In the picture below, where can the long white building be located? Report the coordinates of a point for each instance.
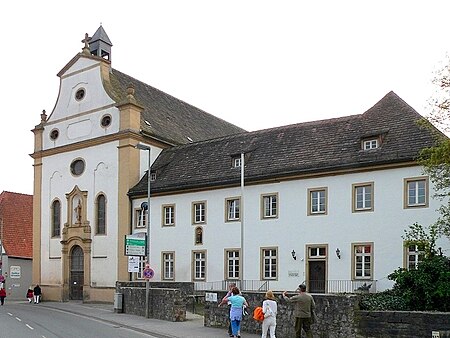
(324, 202)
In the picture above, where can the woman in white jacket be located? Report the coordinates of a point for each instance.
(269, 306)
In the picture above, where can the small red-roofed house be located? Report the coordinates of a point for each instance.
(16, 234)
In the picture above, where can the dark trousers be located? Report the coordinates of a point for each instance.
(304, 323)
(2, 299)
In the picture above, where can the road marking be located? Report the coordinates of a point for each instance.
(18, 319)
(30, 327)
(10, 314)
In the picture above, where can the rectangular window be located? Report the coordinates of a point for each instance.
(232, 209)
(413, 256)
(198, 212)
(199, 265)
(416, 192)
(168, 215)
(317, 201)
(140, 218)
(269, 260)
(236, 162)
(362, 260)
(232, 264)
(317, 252)
(370, 144)
(363, 197)
(269, 206)
(168, 264)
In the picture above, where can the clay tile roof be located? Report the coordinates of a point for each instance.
(16, 211)
(299, 149)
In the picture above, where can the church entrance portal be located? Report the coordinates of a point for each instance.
(76, 273)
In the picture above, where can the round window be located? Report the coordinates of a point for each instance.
(106, 121)
(77, 167)
(54, 134)
(80, 93)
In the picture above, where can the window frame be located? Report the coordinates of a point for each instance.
(55, 231)
(310, 191)
(137, 217)
(355, 255)
(406, 182)
(263, 205)
(355, 188)
(418, 255)
(204, 266)
(227, 214)
(194, 213)
(370, 141)
(171, 262)
(236, 161)
(236, 274)
(165, 208)
(272, 269)
(140, 275)
(97, 217)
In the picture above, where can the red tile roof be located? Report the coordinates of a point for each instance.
(16, 211)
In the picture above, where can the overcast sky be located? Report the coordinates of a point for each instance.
(257, 64)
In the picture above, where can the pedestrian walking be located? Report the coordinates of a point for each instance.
(270, 308)
(30, 295)
(237, 307)
(2, 295)
(303, 311)
(37, 294)
(230, 287)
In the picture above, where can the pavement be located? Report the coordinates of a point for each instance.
(191, 328)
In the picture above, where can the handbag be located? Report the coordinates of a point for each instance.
(258, 314)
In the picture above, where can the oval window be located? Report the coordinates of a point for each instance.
(106, 121)
(80, 93)
(54, 134)
(77, 167)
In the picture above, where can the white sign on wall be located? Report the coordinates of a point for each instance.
(294, 273)
(133, 263)
(211, 297)
(14, 271)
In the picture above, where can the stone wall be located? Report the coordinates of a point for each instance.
(402, 324)
(167, 301)
(338, 316)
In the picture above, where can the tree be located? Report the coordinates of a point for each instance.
(436, 160)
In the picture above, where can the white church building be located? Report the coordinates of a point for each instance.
(325, 202)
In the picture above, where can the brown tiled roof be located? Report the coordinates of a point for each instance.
(168, 118)
(304, 148)
(16, 211)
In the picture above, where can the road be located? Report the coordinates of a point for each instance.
(20, 320)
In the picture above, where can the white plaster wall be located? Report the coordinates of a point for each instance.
(293, 229)
(80, 120)
(100, 176)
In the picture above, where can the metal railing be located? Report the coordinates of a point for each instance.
(246, 285)
(342, 286)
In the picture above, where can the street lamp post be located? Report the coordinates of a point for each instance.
(147, 281)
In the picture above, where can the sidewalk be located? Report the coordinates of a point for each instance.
(191, 328)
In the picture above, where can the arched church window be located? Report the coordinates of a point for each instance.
(56, 218)
(101, 215)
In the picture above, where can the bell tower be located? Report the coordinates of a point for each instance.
(100, 45)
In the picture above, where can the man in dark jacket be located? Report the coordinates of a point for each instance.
(37, 294)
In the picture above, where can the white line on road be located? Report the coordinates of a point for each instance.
(30, 327)
(18, 319)
(10, 314)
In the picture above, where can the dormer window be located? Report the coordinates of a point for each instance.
(236, 162)
(152, 176)
(369, 144)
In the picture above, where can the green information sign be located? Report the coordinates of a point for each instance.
(136, 244)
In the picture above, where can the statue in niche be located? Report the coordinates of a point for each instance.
(77, 211)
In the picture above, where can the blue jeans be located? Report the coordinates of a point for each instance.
(235, 327)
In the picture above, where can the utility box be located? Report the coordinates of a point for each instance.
(118, 302)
